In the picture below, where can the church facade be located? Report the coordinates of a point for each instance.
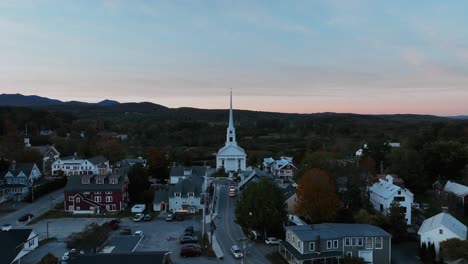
(231, 157)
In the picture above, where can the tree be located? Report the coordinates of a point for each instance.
(317, 200)
(431, 253)
(353, 260)
(158, 164)
(453, 249)
(408, 164)
(49, 259)
(262, 207)
(138, 183)
(397, 224)
(91, 238)
(446, 159)
(423, 252)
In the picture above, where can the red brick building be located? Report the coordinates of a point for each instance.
(96, 193)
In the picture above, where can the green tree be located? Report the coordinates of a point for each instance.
(409, 165)
(453, 249)
(317, 199)
(261, 206)
(92, 237)
(397, 224)
(446, 159)
(138, 183)
(423, 252)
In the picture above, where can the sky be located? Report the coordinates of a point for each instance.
(358, 56)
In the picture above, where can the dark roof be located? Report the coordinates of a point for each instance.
(45, 149)
(288, 191)
(161, 196)
(97, 160)
(120, 258)
(26, 168)
(74, 183)
(189, 184)
(333, 231)
(15, 237)
(298, 255)
(195, 171)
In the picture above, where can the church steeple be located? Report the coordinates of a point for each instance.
(231, 131)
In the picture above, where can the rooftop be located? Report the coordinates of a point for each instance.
(334, 230)
(446, 220)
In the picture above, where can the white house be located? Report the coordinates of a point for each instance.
(74, 165)
(384, 192)
(231, 157)
(283, 168)
(440, 228)
(179, 173)
(187, 194)
(16, 243)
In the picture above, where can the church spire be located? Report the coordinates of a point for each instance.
(231, 131)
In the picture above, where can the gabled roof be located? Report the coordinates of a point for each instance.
(45, 149)
(96, 160)
(26, 168)
(255, 174)
(386, 189)
(446, 220)
(288, 192)
(120, 258)
(190, 184)
(11, 243)
(74, 183)
(456, 188)
(335, 231)
(283, 162)
(231, 150)
(268, 161)
(199, 171)
(161, 196)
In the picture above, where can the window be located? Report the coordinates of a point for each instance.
(86, 193)
(360, 241)
(100, 181)
(77, 208)
(70, 198)
(299, 244)
(177, 194)
(347, 241)
(70, 208)
(97, 199)
(108, 192)
(294, 239)
(85, 181)
(378, 242)
(97, 192)
(108, 199)
(78, 199)
(288, 236)
(31, 243)
(190, 194)
(113, 207)
(335, 243)
(441, 231)
(312, 246)
(349, 254)
(353, 241)
(329, 244)
(369, 243)
(399, 192)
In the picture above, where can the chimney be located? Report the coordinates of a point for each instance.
(389, 178)
(13, 165)
(444, 209)
(6, 227)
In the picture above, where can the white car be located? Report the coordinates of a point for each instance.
(138, 217)
(138, 233)
(236, 252)
(272, 241)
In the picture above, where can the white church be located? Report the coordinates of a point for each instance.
(231, 157)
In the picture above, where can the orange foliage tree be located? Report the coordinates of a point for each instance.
(317, 200)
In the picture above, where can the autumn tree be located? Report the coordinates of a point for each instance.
(49, 258)
(317, 200)
(158, 164)
(138, 183)
(453, 249)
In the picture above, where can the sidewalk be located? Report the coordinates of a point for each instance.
(215, 246)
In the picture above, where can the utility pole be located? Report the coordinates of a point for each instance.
(48, 230)
(204, 203)
(32, 190)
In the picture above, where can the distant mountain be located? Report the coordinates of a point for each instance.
(26, 100)
(107, 102)
(459, 117)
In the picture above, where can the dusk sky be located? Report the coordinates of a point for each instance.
(286, 56)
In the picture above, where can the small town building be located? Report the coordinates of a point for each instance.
(384, 192)
(74, 165)
(282, 168)
(17, 180)
(49, 155)
(179, 173)
(456, 192)
(290, 196)
(186, 195)
(16, 243)
(254, 175)
(331, 242)
(441, 227)
(231, 157)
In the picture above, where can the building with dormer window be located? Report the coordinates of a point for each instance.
(16, 181)
(187, 192)
(95, 193)
(331, 242)
(74, 165)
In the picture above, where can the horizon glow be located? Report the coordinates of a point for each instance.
(363, 56)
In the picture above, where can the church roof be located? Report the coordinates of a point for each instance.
(231, 150)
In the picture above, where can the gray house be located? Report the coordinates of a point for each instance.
(330, 243)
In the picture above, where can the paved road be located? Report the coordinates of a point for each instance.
(37, 208)
(230, 233)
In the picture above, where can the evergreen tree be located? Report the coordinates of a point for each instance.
(423, 251)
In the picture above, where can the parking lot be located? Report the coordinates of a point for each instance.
(160, 235)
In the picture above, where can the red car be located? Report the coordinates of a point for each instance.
(190, 251)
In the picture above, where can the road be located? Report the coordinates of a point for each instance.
(228, 232)
(37, 208)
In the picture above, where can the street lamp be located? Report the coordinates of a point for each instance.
(47, 229)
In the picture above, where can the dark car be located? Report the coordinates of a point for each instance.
(113, 224)
(25, 217)
(190, 250)
(188, 239)
(147, 217)
(189, 231)
(179, 217)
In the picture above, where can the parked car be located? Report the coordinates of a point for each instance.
(190, 250)
(138, 233)
(232, 194)
(113, 224)
(236, 252)
(25, 217)
(126, 232)
(189, 231)
(179, 217)
(188, 240)
(170, 218)
(147, 217)
(272, 241)
(138, 218)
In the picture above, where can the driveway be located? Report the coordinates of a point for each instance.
(405, 252)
